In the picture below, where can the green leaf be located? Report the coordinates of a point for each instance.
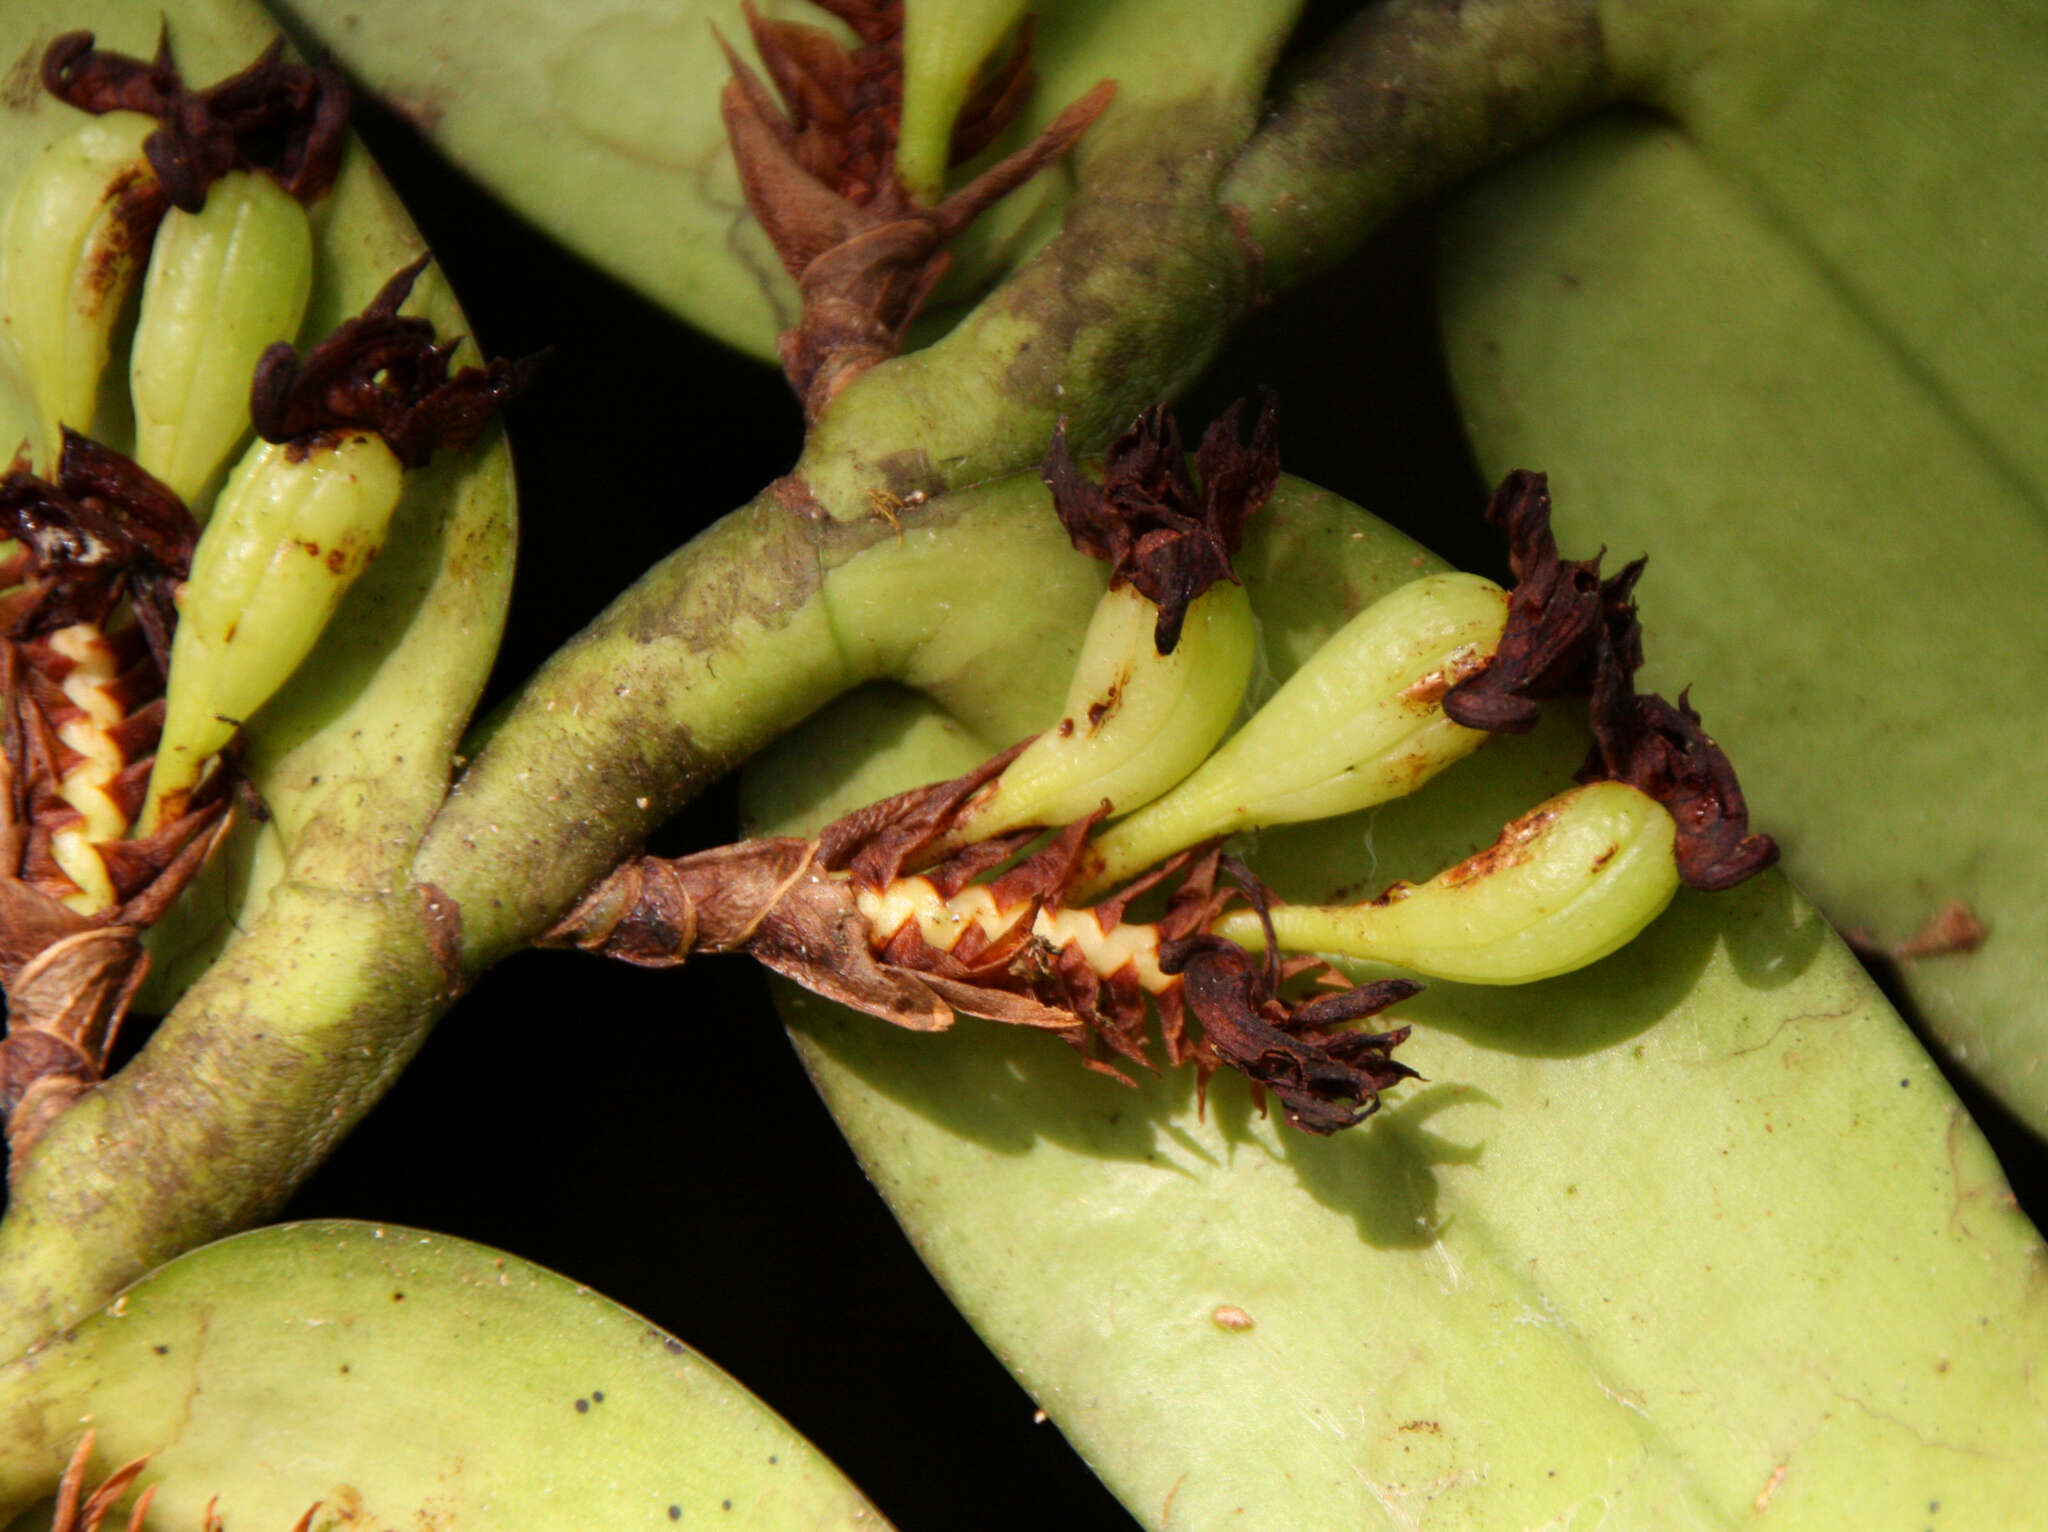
(1692, 1234)
(1789, 344)
(401, 1379)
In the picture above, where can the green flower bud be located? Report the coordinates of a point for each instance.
(1359, 723)
(1136, 721)
(291, 532)
(945, 45)
(1565, 885)
(224, 284)
(75, 235)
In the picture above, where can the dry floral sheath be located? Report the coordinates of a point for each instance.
(84, 631)
(819, 171)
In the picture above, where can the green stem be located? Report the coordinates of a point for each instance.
(1407, 98)
(259, 1072)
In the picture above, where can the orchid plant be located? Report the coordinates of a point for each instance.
(1332, 1024)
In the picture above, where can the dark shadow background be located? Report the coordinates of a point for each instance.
(686, 1168)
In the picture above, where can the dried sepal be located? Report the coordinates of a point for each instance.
(289, 121)
(808, 910)
(384, 372)
(817, 162)
(1566, 624)
(1571, 632)
(1158, 528)
(1660, 748)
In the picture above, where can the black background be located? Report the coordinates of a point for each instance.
(681, 1163)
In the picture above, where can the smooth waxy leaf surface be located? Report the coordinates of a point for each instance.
(1691, 1236)
(1789, 344)
(405, 1379)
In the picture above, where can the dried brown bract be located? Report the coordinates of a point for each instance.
(1168, 533)
(1571, 632)
(1565, 623)
(382, 371)
(838, 916)
(104, 544)
(818, 166)
(289, 121)
(78, 1512)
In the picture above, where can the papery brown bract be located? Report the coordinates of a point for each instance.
(104, 541)
(818, 168)
(289, 121)
(1159, 531)
(385, 372)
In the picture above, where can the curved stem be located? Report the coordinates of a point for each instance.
(1407, 98)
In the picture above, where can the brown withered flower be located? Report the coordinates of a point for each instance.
(1564, 621)
(839, 916)
(289, 121)
(382, 371)
(1659, 748)
(85, 622)
(1570, 632)
(1157, 528)
(818, 167)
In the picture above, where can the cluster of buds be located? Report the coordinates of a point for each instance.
(1005, 893)
(820, 173)
(143, 616)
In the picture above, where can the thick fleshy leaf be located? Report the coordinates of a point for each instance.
(1691, 1236)
(599, 120)
(1790, 345)
(401, 1379)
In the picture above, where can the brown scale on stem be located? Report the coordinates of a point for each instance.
(288, 121)
(817, 162)
(1570, 632)
(98, 554)
(1157, 529)
(385, 372)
